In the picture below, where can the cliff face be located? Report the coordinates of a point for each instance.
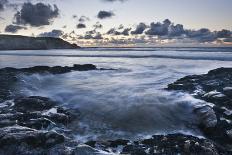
(15, 42)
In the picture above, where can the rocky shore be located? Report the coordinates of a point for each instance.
(215, 87)
(35, 125)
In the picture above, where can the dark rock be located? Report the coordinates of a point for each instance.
(118, 142)
(164, 144)
(91, 143)
(17, 135)
(84, 67)
(207, 116)
(33, 103)
(214, 87)
(28, 124)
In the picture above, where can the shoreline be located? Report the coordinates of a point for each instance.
(23, 120)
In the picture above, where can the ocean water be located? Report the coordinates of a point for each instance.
(129, 102)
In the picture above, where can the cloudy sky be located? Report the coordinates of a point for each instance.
(121, 22)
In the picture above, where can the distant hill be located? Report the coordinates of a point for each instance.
(17, 42)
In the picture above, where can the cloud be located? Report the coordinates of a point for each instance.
(168, 30)
(2, 4)
(159, 29)
(13, 28)
(105, 14)
(81, 26)
(53, 34)
(114, 0)
(83, 19)
(224, 34)
(113, 31)
(91, 35)
(176, 30)
(126, 31)
(36, 14)
(74, 16)
(98, 26)
(139, 29)
(201, 35)
(120, 27)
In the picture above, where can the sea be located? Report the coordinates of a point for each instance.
(129, 100)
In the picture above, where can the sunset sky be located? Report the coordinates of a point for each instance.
(121, 22)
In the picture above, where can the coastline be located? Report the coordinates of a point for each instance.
(23, 120)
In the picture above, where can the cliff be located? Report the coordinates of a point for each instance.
(16, 42)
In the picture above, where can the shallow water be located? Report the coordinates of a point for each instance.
(129, 102)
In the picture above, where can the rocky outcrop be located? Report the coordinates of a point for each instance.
(28, 125)
(15, 42)
(161, 144)
(214, 87)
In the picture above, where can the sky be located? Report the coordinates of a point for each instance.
(121, 22)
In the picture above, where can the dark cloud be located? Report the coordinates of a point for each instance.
(98, 26)
(126, 31)
(224, 34)
(91, 35)
(81, 26)
(53, 34)
(83, 19)
(176, 30)
(114, 0)
(13, 28)
(167, 30)
(139, 29)
(36, 14)
(120, 27)
(202, 35)
(113, 31)
(74, 16)
(105, 14)
(2, 4)
(159, 29)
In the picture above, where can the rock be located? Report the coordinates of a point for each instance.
(229, 133)
(214, 87)
(119, 142)
(206, 116)
(28, 124)
(87, 150)
(17, 135)
(33, 103)
(84, 67)
(163, 144)
(227, 91)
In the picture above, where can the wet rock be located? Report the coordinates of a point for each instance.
(17, 135)
(214, 87)
(28, 124)
(118, 142)
(8, 76)
(206, 116)
(229, 133)
(33, 103)
(227, 91)
(164, 144)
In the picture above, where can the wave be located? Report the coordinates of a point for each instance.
(218, 58)
(177, 49)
